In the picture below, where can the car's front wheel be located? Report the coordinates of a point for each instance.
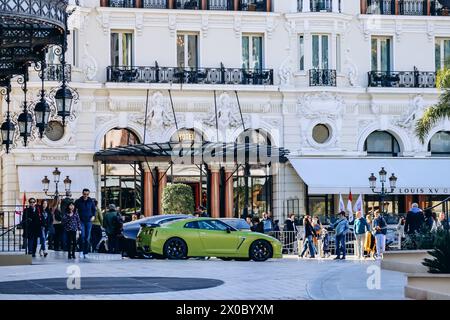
(260, 250)
(175, 249)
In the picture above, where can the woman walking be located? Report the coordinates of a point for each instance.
(318, 236)
(46, 228)
(308, 240)
(380, 227)
(72, 225)
(58, 227)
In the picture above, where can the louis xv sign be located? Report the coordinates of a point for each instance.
(424, 190)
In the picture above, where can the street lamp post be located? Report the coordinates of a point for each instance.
(384, 191)
(56, 178)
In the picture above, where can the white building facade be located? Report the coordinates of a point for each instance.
(340, 84)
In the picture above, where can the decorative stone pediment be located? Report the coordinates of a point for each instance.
(323, 104)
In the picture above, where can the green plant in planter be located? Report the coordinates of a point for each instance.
(441, 254)
(422, 240)
(177, 198)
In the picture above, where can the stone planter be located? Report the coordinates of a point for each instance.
(406, 261)
(428, 286)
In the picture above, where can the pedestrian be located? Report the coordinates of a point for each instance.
(360, 227)
(58, 237)
(72, 225)
(326, 243)
(308, 238)
(291, 233)
(257, 226)
(47, 226)
(96, 232)
(267, 223)
(112, 223)
(369, 245)
(436, 223)
(86, 209)
(341, 226)
(248, 219)
(317, 225)
(428, 219)
(32, 224)
(414, 219)
(443, 221)
(380, 229)
(401, 228)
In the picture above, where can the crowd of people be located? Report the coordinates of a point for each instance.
(70, 226)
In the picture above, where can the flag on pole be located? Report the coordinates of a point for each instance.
(24, 201)
(341, 203)
(349, 207)
(359, 205)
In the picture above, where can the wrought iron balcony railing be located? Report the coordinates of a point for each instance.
(402, 79)
(240, 5)
(221, 75)
(122, 3)
(405, 7)
(322, 77)
(53, 72)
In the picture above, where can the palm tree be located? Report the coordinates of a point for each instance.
(440, 110)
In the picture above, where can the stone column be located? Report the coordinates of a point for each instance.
(162, 179)
(306, 6)
(215, 195)
(363, 6)
(229, 198)
(148, 193)
(236, 5)
(335, 5)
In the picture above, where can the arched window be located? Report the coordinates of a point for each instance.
(254, 136)
(119, 137)
(439, 145)
(119, 183)
(382, 144)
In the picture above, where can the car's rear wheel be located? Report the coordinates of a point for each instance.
(175, 249)
(260, 250)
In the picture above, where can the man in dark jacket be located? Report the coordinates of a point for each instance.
(113, 225)
(86, 209)
(291, 230)
(414, 219)
(32, 224)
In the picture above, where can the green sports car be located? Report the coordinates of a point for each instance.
(205, 237)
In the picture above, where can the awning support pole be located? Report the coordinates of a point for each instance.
(217, 122)
(240, 110)
(173, 110)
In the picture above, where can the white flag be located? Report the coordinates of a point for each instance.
(359, 205)
(341, 203)
(349, 207)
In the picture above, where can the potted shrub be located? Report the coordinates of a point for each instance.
(440, 253)
(177, 198)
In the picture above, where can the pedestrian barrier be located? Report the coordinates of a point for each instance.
(292, 242)
(11, 232)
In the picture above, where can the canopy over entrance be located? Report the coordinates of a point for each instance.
(194, 153)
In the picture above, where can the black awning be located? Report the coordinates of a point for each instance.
(194, 153)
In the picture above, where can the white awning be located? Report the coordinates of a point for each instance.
(30, 179)
(338, 175)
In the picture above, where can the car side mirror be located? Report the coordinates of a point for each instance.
(228, 230)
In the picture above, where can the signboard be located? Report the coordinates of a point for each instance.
(423, 190)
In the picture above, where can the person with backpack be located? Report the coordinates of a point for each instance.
(380, 229)
(341, 226)
(112, 222)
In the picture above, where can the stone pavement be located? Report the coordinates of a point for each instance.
(287, 278)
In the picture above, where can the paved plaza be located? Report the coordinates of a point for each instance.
(287, 278)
